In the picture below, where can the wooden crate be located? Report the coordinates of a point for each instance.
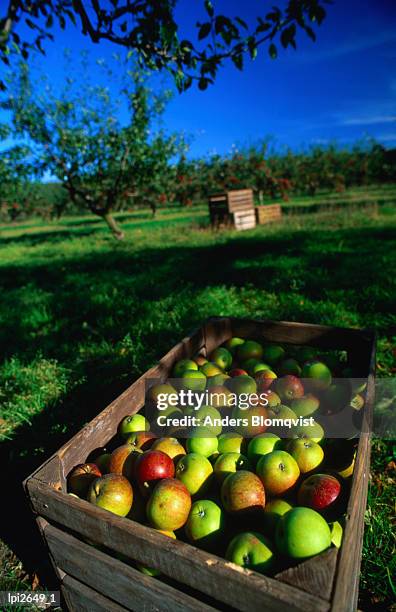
(96, 579)
(232, 208)
(268, 213)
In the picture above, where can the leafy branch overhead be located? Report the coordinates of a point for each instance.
(149, 29)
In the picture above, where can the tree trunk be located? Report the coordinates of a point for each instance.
(113, 225)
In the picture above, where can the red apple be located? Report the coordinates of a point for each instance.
(111, 492)
(321, 492)
(264, 379)
(169, 505)
(81, 477)
(242, 492)
(123, 460)
(289, 387)
(153, 466)
(237, 372)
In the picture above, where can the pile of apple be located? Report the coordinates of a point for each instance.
(261, 500)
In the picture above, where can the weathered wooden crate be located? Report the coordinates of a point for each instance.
(268, 213)
(95, 579)
(232, 208)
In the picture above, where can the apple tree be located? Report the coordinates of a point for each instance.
(150, 29)
(78, 137)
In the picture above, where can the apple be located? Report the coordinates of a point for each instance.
(249, 364)
(315, 431)
(242, 384)
(264, 379)
(217, 381)
(200, 360)
(81, 477)
(321, 492)
(262, 445)
(182, 365)
(233, 343)
(255, 416)
(219, 396)
(318, 373)
(207, 416)
(231, 442)
(222, 357)
(237, 372)
(160, 389)
(252, 551)
(336, 397)
(210, 369)
(195, 472)
(141, 439)
(151, 466)
(357, 402)
(306, 353)
(280, 414)
(278, 471)
(273, 510)
(102, 461)
(151, 571)
(273, 354)
(289, 387)
(193, 380)
(289, 366)
(169, 446)
(260, 367)
(306, 405)
(228, 463)
(347, 471)
(112, 492)
(302, 533)
(205, 524)
(123, 460)
(308, 454)
(202, 446)
(131, 423)
(242, 492)
(336, 532)
(248, 350)
(273, 398)
(169, 505)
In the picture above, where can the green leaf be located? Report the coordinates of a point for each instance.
(209, 8)
(203, 83)
(273, 51)
(238, 61)
(204, 30)
(241, 22)
(252, 47)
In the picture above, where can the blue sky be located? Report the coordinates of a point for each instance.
(341, 88)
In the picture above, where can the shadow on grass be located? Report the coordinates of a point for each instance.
(80, 310)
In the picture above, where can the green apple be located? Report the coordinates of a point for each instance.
(255, 418)
(318, 373)
(278, 415)
(182, 365)
(169, 505)
(231, 442)
(261, 445)
(208, 416)
(242, 384)
(278, 471)
(205, 524)
(249, 349)
(260, 367)
(193, 380)
(273, 510)
(228, 463)
(219, 396)
(252, 551)
(289, 366)
(161, 389)
(273, 354)
(195, 472)
(302, 533)
(233, 343)
(306, 353)
(222, 358)
(131, 423)
(305, 406)
(249, 364)
(315, 431)
(217, 381)
(308, 454)
(112, 492)
(202, 446)
(272, 398)
(169, 446)
(336, 533)
(210, 369)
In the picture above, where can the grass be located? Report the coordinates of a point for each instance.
(81, 316)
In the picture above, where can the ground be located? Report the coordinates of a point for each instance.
(81, 316)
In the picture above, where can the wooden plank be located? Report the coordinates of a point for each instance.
(111, 577)
(239, 588)
(80, 598)
(315, 575)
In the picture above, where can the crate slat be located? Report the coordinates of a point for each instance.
(81, 598)
(129, 587)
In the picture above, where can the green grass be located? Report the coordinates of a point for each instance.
(81, 316)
